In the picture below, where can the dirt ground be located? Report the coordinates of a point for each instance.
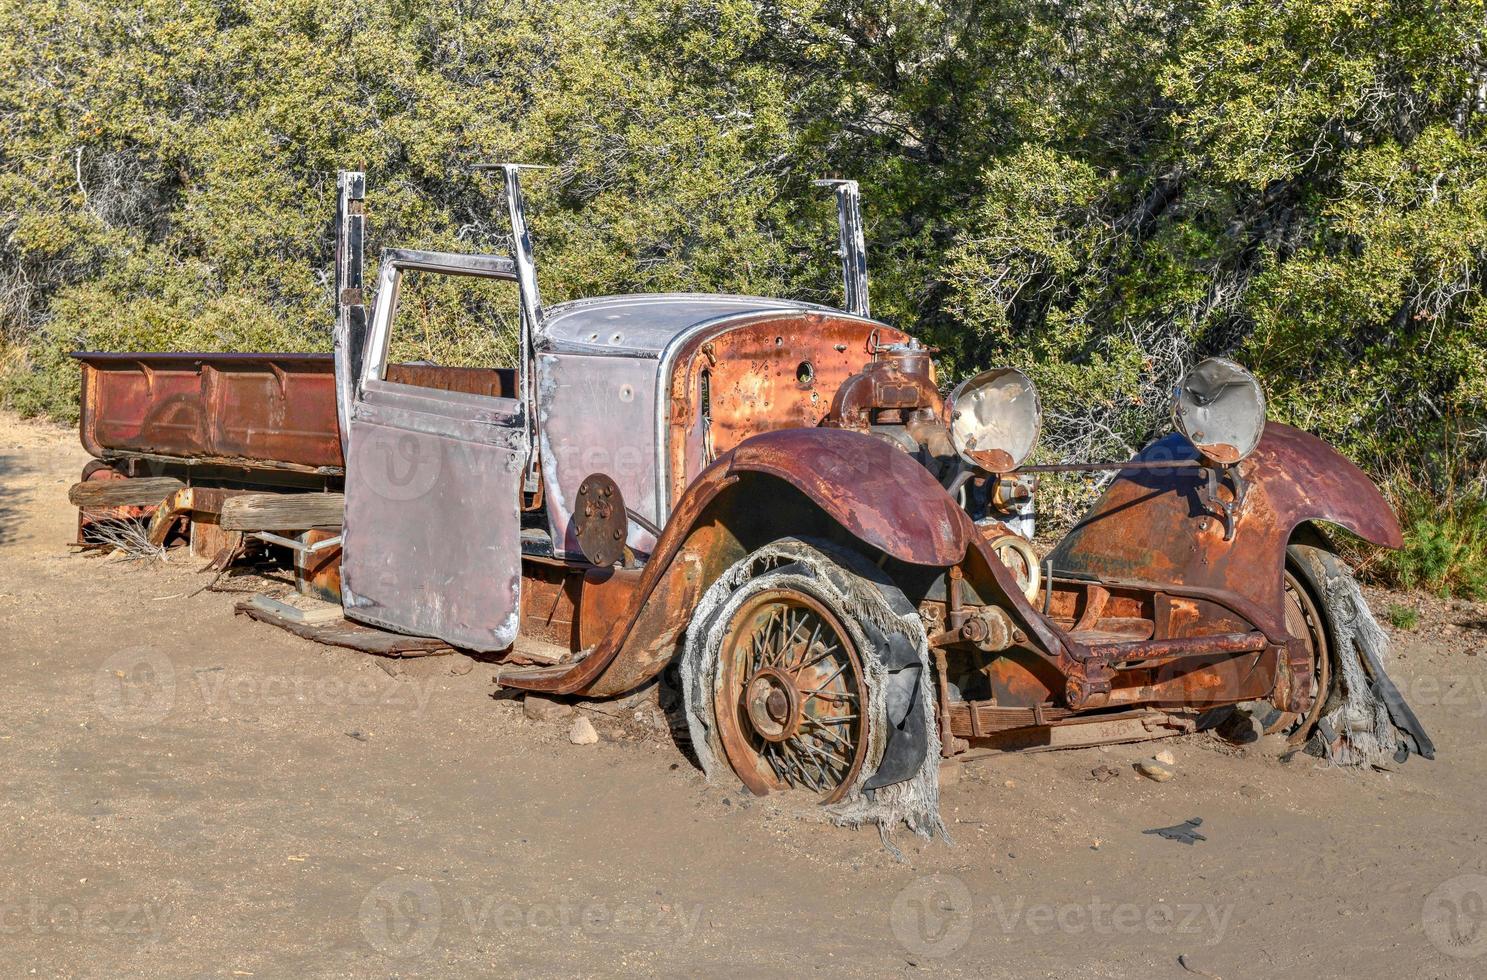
(188, 793)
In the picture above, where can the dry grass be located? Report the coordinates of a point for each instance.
(128, 539)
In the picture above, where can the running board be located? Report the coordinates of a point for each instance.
(1015, 729)
(325, 624)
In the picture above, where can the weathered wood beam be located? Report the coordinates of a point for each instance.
(282, 511)
(142, 491)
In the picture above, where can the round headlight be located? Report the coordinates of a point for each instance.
(994, 419)
(1220, 409)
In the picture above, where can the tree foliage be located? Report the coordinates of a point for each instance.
(1099, 191)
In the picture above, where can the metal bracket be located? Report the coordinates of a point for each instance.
(1213, 501)
(299, 546)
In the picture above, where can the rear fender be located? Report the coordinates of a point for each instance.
(1150, 526)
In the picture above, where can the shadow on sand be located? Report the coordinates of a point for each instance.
(12, 467)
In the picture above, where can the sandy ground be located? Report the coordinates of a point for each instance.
(186, 792)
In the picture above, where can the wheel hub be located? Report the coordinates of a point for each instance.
(772, 704)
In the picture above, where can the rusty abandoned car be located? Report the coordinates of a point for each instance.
(776, 503)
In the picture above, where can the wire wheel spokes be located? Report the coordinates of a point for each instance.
(791, 696)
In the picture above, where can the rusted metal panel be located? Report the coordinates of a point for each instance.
(1151, 526)
(242, 408)
(491, 382)
(273, 411)
(656, 610)
(604, 601)
(549, 603)
(874, 490)
(737, 379)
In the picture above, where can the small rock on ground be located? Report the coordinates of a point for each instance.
(1152, 769)
(582, 732)
(538, 708)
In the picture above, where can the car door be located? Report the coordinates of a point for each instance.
(434, 476)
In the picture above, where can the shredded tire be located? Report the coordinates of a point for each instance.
(871, 605)
(1365, 721)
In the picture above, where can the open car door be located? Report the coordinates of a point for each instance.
(434, 477)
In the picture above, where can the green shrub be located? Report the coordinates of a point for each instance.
(1445, 546)
(1403, 617)
(1098, 192)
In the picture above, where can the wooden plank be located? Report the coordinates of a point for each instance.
(539, 651)
(321, 613)
(140, 491)
(283, 511)
(353, 636)
(208, 540)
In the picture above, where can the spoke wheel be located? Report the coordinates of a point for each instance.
(790, 700)
(1304, 620)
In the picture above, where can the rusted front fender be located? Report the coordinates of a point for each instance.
(869, 488)
(873, 489)
(1151, 527)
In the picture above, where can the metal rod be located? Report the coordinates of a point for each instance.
(1147, 653)
(643, 523)
(350, 336)
(955, 614)
(960, 480)
(1144, 464)
(300, 546)
(942, 684)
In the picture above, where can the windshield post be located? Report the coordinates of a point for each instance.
(853, 248)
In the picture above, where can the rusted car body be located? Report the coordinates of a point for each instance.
(664, 477)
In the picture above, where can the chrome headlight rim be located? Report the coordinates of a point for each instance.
(994, 419)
